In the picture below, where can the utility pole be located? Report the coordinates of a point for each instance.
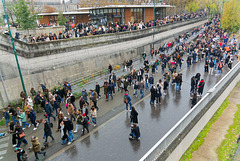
(14, 50)
(153, 23)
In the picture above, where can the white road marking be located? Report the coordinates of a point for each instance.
(4, 139)
(4, 145)
(1, 158)
(3, 152)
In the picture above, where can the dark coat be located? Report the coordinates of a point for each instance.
(97, 88)
(134, 116)
(84, 94)
(32, 115)
(48, 109)
(47, 129)
(153, 94)
(151, 80)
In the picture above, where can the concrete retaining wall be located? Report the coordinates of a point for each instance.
(53, 69)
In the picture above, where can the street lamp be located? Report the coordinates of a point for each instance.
(14, 50)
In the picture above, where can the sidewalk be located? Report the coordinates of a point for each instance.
(215, 136)
(107, 111)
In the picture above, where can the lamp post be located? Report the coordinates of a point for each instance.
(14, 50)
(153, 23)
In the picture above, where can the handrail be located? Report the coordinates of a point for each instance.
(191, 112)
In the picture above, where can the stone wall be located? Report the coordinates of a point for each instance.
(53, 69)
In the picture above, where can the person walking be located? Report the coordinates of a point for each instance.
(13, 113)
(23, 119)
(60, 117)
(20, 136)
(151, 81)
(136, 87)
(79, 121)
(109, 92)
(158, 93)
(127, 100)
(36, 147)
(68, 125)
(201, 87)
(47, 131)
(97, 89)
(85, 124)
(153, 95)
(165, 86)
(93, 113)
(141, 88)
(6, 117)
(211, 65)
(85, 96)
(32, 116)
(134, 116)
(49, 111)
(71, 111)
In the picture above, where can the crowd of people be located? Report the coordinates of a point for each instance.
(213, 46)
(87, 29)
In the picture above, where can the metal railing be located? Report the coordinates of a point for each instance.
(155, 152)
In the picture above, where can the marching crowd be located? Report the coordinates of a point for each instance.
(208, 47)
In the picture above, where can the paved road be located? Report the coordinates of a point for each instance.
(110, 141)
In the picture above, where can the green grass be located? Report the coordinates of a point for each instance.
(200, 138)
(229, 145)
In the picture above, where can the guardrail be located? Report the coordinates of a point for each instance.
(155, 152)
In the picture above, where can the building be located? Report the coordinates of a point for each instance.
(127, 13)
(112, 13)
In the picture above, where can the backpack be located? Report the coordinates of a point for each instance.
(51, 125)
(71, 125)
(125, 99)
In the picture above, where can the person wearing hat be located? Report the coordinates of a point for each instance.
(36, 147)
(85, 124)
(21, 155)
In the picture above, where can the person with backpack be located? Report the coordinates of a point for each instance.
(85, 124)
(47, 131)
(68, 125)
(36, 147)
(158, 94)
(127, 100)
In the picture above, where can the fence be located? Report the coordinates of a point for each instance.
(155, 152)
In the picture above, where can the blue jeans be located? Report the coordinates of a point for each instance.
(141, 93)
(151, 101)
(165, 91)
(94, 120)
(77, 125)
(62, 100)
(20, 141)
(130, 103)
(133, 134)
(108, 95)
(136, 92)
(51, 115)
(151, 86)
(24, 124)
(146, 85)
(70, 136)
(177, 86)
(14, 120)
(7, 121)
